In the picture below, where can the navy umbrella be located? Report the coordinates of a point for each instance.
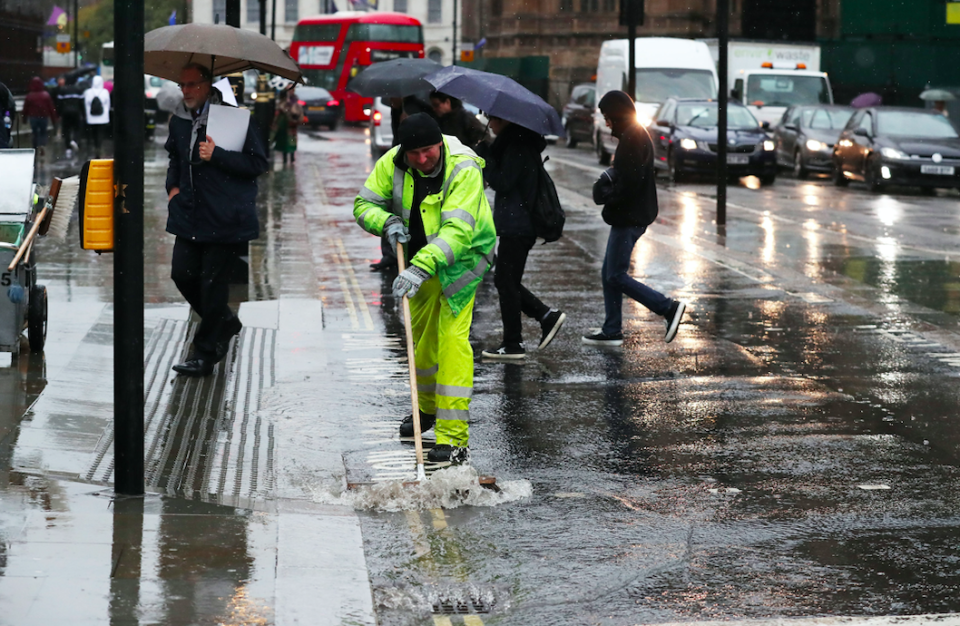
(498, 96)
(395, 78)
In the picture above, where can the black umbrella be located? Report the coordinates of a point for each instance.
(393, 79)
(498, 96)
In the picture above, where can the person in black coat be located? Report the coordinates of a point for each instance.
(628, 193)
(512, 166)
(212, 196)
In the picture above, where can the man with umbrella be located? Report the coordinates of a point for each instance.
(427, 192)
(212, 197)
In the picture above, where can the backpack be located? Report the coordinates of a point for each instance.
(96, 106)
(546, 212)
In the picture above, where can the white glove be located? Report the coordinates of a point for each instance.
(408, 282)
(395, 231)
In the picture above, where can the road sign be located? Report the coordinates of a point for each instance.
(466, 56)
(63, 44)
(953, 11)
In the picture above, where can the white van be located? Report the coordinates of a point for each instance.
(666, 67)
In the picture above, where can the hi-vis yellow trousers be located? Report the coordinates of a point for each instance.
(444, 361)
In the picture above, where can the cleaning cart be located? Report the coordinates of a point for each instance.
(23, 303)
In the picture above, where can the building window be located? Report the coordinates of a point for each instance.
(434, 11)
(566, 6)
(291, 11)
(588, 6)
(400, 6)
(435, 55)
(610, 6)
(253, 11)
(220, 11)
(496, 7)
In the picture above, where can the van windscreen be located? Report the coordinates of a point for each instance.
(656, 85)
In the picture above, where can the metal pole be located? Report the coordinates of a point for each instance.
(128, 135)
(263, 16)
(273, 21)
(723, 14)
(631, 48)
(233, 13)
(454, 32)
(76, 39)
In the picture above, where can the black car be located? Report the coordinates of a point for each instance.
(806, 135)
(684, 137)
(319, 107)
(577, 114)
(898, 146)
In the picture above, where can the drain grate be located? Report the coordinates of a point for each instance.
(471, 606)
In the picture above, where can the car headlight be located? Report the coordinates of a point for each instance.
(815, 146)
(688, 144)
(769, 146)
(892, 153)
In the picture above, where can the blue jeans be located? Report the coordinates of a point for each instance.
(38, 128)
(617, 281)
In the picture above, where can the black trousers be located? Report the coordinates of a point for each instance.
(202, 272)
(514, 297)
(96, 137)
(70, 129)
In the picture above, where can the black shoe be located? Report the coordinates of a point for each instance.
(383, 265)
(673, 319)
(445, 453)
(551, 325)
(506, 352)
(426, 423)
(599, 338)
(194, 366)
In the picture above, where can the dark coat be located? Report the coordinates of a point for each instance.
(463, 125)
(219, 204)
(38, 102)
(512, 166)
(629, 196)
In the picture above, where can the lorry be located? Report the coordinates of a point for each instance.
(768, 77)
(665, 67)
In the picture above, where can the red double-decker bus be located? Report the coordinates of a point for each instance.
(332, 49)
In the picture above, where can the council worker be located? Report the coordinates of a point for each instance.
(212, 196)
(427, 192)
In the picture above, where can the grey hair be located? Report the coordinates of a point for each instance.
(203, 69)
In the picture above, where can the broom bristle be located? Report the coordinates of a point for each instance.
(63, 208)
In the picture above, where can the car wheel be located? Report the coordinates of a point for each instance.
(769, 179)
(799, 170)
(673, 173)
(602, 155)
(570, 142)
(838, 178)
(872, 175)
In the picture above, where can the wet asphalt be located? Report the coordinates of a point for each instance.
(791, 454)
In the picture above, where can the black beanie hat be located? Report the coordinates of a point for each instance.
(617, 104)
(418, 131)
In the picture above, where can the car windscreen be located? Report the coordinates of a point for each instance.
(920, 125)
(327, 79)
(313, 93)
(784, 90)
(704, 115)
(656, 85)
(826, 119)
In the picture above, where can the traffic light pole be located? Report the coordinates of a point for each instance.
(723, 28)
(128, 135)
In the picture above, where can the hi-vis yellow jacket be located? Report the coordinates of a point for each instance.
(457, 221)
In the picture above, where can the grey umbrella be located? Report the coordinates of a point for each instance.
(498, 96)
(223, 49)
(395, 78)
(937, 94)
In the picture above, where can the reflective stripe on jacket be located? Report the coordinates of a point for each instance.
(457, 222)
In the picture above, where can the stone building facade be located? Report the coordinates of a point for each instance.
(570, 32)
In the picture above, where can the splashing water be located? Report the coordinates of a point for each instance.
(447, 488)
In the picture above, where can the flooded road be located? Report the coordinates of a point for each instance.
(791, 454)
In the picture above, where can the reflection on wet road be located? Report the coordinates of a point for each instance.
(792, 453)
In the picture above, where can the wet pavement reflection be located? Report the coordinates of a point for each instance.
(791, 454)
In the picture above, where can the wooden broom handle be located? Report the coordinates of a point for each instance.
(411, 361)
(51, 200)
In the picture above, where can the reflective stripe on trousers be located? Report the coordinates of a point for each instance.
(444, 361)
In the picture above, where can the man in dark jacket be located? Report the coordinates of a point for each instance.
(212, 197)
(512, 166)
(8, 109)
(70, 106)
(629, 194)
(456, 120)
